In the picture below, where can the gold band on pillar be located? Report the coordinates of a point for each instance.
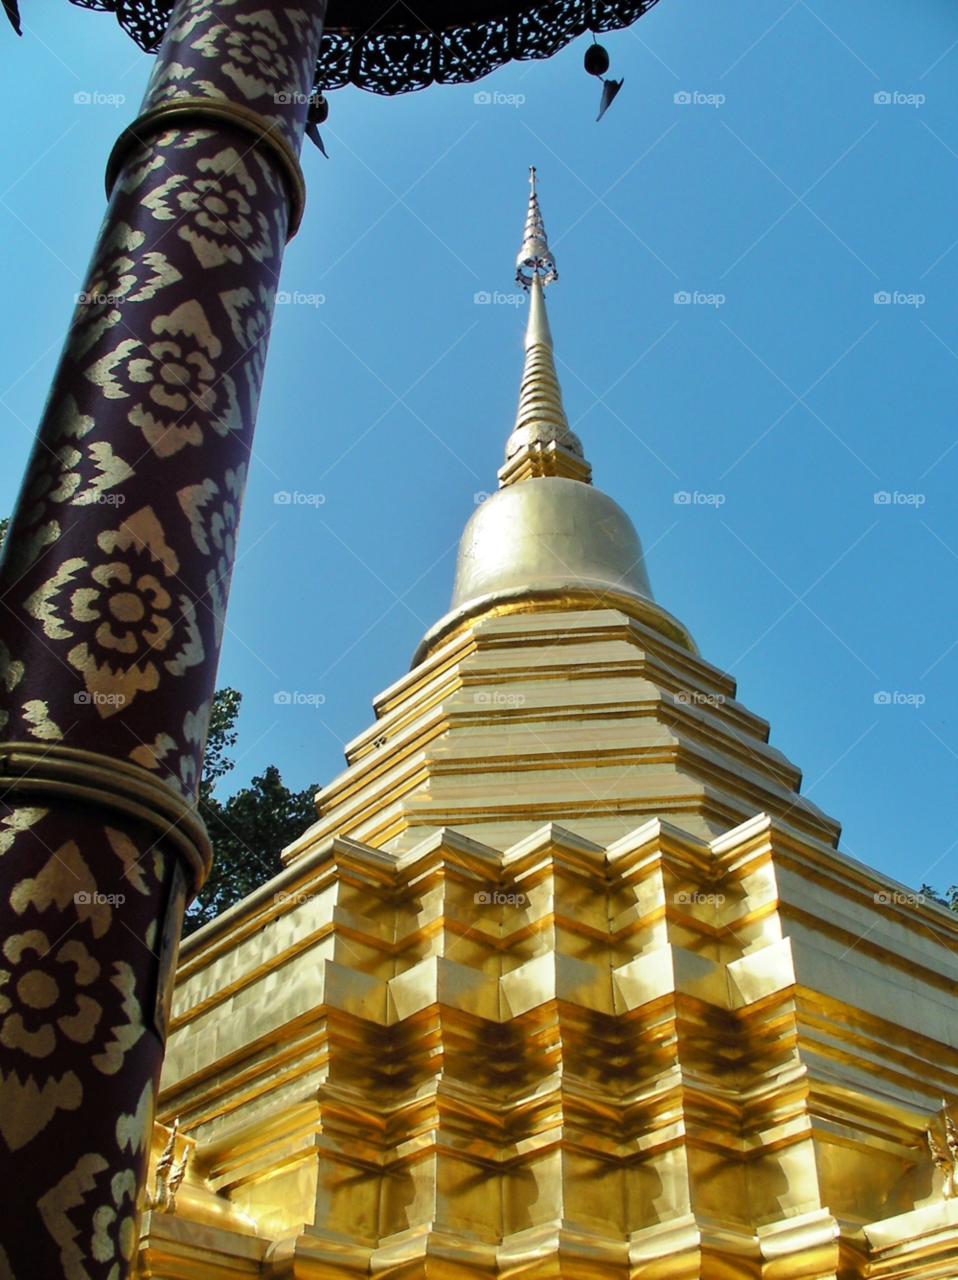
(69, 773)
(196, 112)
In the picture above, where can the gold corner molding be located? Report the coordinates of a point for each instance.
(69, 773)
(546, 598)
(196, 112)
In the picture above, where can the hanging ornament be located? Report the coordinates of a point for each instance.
(318, 111)
(609, 89)
(12, 11)
(596, 62)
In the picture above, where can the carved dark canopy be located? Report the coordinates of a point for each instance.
(387, 47)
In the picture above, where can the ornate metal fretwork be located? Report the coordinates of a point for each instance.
(390, 48)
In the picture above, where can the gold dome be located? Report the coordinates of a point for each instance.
(556, 543)
(545, 534)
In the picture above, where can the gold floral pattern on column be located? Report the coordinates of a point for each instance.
(110, 1216)
(21, 819)
(186, 394)
(213, 527)
(63, 985)
(118, 278)
(41, 987)
(130, 599)
(213, 213)
(250, 316)
(26, 1108)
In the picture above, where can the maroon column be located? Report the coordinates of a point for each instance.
(113, 590)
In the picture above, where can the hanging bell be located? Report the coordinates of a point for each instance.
(596, 60)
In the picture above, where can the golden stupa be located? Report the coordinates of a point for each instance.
(567, 979)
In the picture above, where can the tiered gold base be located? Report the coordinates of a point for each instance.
(669, 1057)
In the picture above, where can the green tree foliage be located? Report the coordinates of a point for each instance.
(949, 899)
(220, 737)
(249, 829)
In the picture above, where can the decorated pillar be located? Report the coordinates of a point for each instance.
(113, 588)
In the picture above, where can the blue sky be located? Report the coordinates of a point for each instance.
(798, 398)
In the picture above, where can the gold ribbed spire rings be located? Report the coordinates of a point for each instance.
(542, 442)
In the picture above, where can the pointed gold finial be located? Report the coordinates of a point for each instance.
(542, 442)
(535, 261)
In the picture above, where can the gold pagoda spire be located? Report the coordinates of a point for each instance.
(542, 443)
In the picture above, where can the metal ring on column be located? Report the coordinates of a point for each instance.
(68, 772)
(196, 111)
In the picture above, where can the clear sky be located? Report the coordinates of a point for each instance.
(798, 398)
